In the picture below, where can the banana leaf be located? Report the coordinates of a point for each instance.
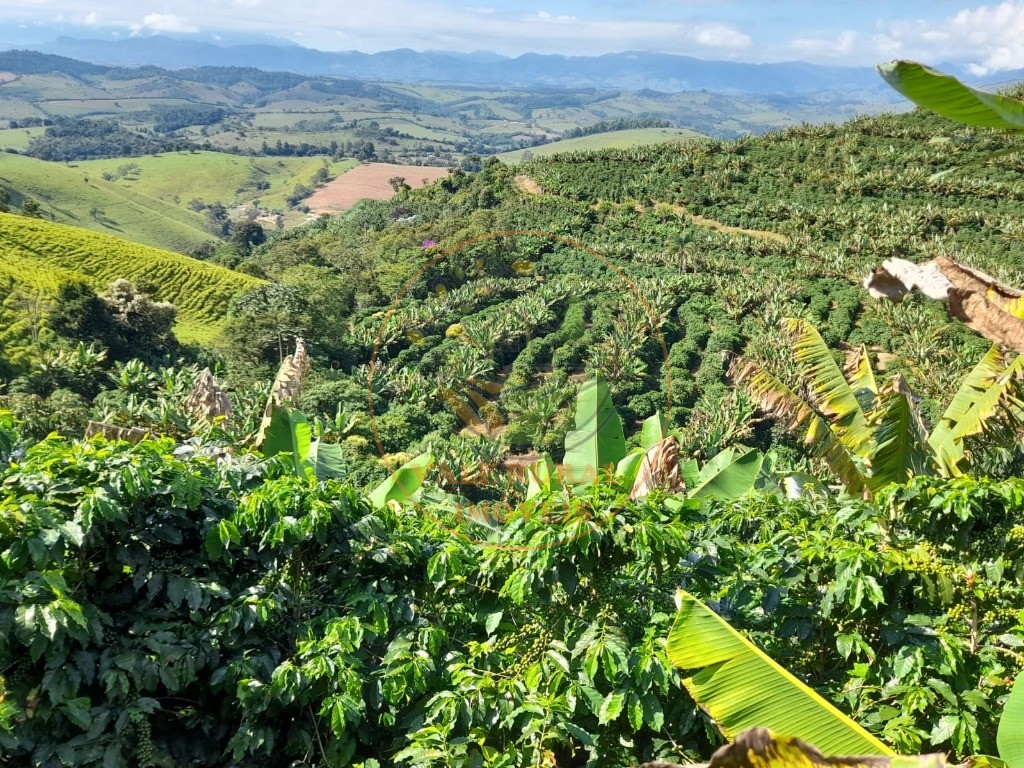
(901, 448)
(653, 431)
(598, 440)
(784, 404)
(728, 475)
(326, 459)
(288, 431)
(403, 483)
(947, 448)
(947, 96)
(541, 476)
(831, 394)
(741, 687)
(1010, 737)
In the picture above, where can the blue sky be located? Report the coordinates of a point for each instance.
(988, 37)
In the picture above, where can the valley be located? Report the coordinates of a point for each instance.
(355, 422)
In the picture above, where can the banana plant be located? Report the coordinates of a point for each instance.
(871, 435)
(598, 441)
(404, 482)
(947, 96)
(289, 432)
(741, 687)
(744, 690)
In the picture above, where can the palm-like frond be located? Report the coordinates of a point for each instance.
(783, 404)
(901, 442)
(962, 410)
(831, 394)
(862, 379)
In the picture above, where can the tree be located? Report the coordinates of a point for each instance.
(31, 208)
(5, 201)
(246, 235)
(79, 313)
(143, 326)
(263, 322)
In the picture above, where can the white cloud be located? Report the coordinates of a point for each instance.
(836, 47)
(721, 36)
(163, 22)
(91, 19)
(245, 3)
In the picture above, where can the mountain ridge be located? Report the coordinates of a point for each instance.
(632, 70)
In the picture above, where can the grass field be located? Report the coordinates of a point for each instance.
(178, 177)
(611, 140)
(18, 138)
(42, 254)
(150, 205)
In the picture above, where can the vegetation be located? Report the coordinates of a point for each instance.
(40, 256)
(514, 412)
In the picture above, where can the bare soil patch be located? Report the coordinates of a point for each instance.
(528, 185)
(369, 181)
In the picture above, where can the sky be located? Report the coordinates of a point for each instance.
(986, 37)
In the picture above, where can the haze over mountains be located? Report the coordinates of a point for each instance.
(632, 70)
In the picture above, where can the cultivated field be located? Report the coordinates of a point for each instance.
(41, 254)
(612, 140)
(150, 202)
(370, 180)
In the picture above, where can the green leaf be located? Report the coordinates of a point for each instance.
(728, 476)
(598, 440)
(403, 483)
(611, 708)
(901, 450)
(830, 393)
(1010, 737)
(289, 432)
(327, 459)
(947, 96)
(742, 688)
(653, 431)
(492, 622)
(579, 734)
(627, 468)
(541, 476)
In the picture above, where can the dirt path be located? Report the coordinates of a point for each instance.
(531, 187)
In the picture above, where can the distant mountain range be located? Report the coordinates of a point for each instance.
(632, 70)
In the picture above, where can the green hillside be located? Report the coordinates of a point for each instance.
(611, 140)
(42, 254)
(150, 204)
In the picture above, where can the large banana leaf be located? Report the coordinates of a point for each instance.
(862, 379)
(404, 481)
(1010, 737)
(830, 392)
(950, 98)
(947, 449)
(288, 431)
(653, 431)
(901, 448)
(741, 687)
(728, 475)
(541, 476)
(782, 403)
(598, 440)
(326, 459)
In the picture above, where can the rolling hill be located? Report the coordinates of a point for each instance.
(42, 255)
(612, 140)
(150, 204)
